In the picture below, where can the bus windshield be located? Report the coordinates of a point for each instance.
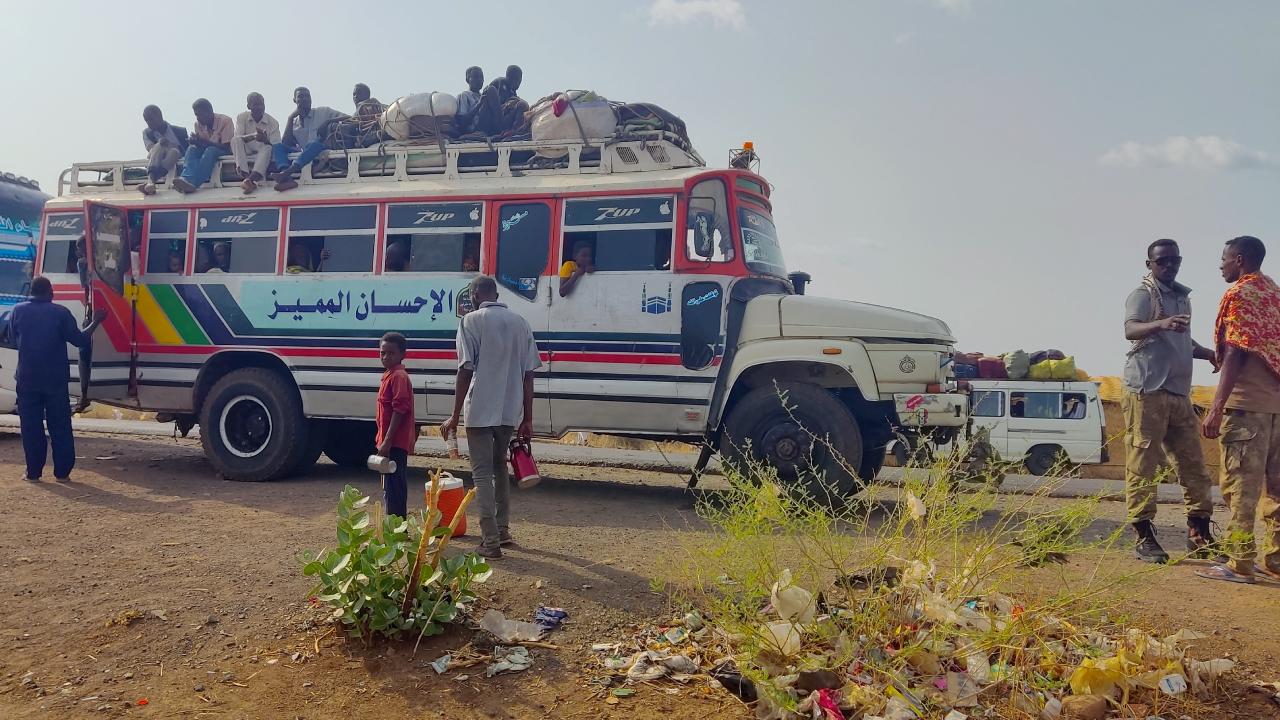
(760, 246)
(15, 278)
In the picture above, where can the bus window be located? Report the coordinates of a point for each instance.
(167, 241)
(331, 238)
(60, 235)
(707, 237)
(625, 233)
(524, 230)
(760, 243)
(237, 240)
(434, 237)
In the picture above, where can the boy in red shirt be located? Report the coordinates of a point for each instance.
(396, 429)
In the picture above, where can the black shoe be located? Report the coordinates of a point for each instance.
(1148, 548)
(507, 541)
(1200, 541)
(490, 553)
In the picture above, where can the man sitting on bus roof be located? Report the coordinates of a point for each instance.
(210, 140)
(501, 109)
(468, 101)
(572, 270)
(305, 131)
(256, 132)
(165, 145)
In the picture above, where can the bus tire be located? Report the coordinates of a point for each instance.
(1043, 459)
(317, 435)
(817, 440)
(251, 425)
(351, 442)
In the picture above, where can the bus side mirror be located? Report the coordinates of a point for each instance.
(799, 280)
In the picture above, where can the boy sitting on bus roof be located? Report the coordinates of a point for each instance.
(210, 140)
(165, 145)
(572, 270)
(305, 131)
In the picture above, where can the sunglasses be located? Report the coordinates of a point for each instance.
(1172, 260)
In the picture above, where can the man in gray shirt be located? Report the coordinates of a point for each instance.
(1159, 418)
(496, 359)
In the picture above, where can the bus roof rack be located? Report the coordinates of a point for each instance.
(405, 161)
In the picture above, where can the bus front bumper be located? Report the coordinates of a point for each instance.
(931, 409)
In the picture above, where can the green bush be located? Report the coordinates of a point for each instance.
(364, 578)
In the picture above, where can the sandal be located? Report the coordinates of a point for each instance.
(1270, 574)
(1222, 572)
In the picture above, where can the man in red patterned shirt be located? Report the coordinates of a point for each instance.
(1246, 412)
(396, 429)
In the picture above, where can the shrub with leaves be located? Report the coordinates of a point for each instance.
(366, 578)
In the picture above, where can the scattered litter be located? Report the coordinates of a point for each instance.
(932, 657)
(510, 631)
(509, 659)
(1270, 689)
(1173, 685)
(462, 678)
(537, 585)
(549, 618)
(676, 635)
(622, 692)
(143, 701)
(441, 664)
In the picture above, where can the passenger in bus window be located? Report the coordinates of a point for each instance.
(305, 131)
(468, 101)
(470, 262)
(256, 132)
(210, 139)
(397, 257)
(204, 260)
(300, 258)
(175, 261)
(571, 271)
(164, 143)
(221, 258)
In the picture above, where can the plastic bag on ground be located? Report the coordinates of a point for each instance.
(792, 602)
(510, 631)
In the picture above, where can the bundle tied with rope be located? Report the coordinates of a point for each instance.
(572, 115)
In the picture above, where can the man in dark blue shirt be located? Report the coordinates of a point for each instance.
(41, 331)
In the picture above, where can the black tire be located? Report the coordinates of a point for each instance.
(1043, 459)
(251, 425)
(317, 436)
(872, 463)
(350, 442)
(786, 440)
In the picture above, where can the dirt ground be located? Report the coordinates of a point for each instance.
(224, 629)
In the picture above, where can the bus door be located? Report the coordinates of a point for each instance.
(114, 289)
(521, 249)
(615, 331)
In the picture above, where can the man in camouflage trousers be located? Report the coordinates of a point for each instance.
(1159, 418)
(1246, 413)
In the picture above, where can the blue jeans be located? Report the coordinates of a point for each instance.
(35, 407)
(280, 154)
(197, 166)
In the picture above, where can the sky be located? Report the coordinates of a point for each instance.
(1000, 164)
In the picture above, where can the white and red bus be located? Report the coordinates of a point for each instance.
(257, 317)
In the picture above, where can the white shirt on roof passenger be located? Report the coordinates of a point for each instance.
(306, 128)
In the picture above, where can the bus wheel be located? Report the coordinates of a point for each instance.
(251, 425)
(317, 436)
(816, 441)
(350, 442)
